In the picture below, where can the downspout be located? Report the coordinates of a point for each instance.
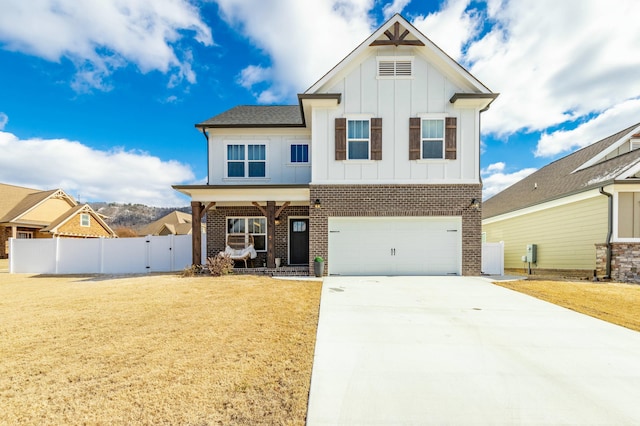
(609, 231)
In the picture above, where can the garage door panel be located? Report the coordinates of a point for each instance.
(394, 246)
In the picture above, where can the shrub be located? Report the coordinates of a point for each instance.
(191, 271)
(318, 259)
(221, 264)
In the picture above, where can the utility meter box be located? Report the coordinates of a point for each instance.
(532, 253)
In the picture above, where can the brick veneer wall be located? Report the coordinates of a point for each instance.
(217, 229)
(625, 261)
(5, 233)
(398, 200)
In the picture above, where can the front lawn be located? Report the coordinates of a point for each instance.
(155, 349)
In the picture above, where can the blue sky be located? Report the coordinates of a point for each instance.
(100, 98)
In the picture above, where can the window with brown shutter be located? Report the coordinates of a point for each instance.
(341, 139)
(450, 138)
(432, 138)
(414, 138)
(376, 138)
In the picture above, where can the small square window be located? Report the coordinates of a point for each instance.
(246, 160)
(300, 153)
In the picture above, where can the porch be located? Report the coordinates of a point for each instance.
(283, 271)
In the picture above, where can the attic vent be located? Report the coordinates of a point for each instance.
(635, 143)
(395, 67)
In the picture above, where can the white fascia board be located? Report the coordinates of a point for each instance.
(544, 206)
(631, 171)
(234, 195)
(609, 150)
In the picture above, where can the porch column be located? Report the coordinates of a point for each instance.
(271, 230)
(196, 233)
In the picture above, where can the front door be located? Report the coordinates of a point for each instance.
(298, 241)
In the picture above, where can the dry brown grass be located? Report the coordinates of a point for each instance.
(613, 302)
(155, 350)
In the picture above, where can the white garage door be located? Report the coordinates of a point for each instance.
(395, 245)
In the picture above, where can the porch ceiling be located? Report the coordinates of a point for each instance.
(246, 194)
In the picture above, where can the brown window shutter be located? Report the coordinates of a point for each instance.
(450, 137)
(341, 139)
(414, 138)
(376, 138)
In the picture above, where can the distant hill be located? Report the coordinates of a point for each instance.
(133, 216)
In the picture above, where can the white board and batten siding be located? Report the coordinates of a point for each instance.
(395, 245)
(427, 93)
(279, 168)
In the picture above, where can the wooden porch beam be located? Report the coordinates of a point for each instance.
(209, 206)
(282, 207)
(196, 232)
(262, 210)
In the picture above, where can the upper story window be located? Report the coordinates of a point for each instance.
(246, 160)
(24, 234)
(84, 220)
(300, 153)
(358, 139)
(432, 140)
(395, 67)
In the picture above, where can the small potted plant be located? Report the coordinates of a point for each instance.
(318, 266)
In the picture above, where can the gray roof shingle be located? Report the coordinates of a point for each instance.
(257, 116)
(560, 178)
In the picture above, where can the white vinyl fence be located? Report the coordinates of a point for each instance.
(102, 255)
(493, 258)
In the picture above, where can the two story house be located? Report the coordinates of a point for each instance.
(377, 169)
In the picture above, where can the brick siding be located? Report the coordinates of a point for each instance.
(217, 229)
(397, 200)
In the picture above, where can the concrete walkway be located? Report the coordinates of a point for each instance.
(461, 351)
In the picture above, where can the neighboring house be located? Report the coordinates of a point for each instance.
(174, 223)
(31, 213)
(377, 169)
(582, 212)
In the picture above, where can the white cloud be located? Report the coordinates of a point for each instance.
(609, 122)
(450, 28)
(4, 119)
(391, 9)
(494, 179)
(252, 75)
(556, 61)
(302, 39)
(100, 37)
(116, 175)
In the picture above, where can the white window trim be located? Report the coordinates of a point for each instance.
(246, 160)
(444, 136)
(395, 60)
(27, 235)
(299, 163)
(88, 217)
(359, 117)
(246, 227)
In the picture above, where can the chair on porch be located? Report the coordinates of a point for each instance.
(239, 247)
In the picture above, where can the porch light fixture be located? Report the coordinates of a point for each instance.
(278, 221)
(317, 204)
(475, 203)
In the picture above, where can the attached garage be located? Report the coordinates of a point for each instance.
(395, 245)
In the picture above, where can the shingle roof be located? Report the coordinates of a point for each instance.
(25, 204)
(174, 218)
(560, 178)
(11, 195)
(257, 116)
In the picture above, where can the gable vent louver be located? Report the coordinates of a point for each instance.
(391, 68)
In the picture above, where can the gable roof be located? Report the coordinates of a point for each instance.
(565, 177)
(432, 51)
(261, 116)
(27, 203)
(11, 195)
(71, 213)
(170, 221)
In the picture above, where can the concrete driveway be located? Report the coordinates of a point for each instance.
(462, 351)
